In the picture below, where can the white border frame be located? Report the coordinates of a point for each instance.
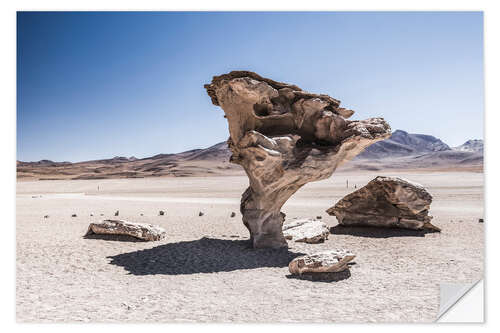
(8, 136)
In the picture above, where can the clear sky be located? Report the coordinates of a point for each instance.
(98, 85)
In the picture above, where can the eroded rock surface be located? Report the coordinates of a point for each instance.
(386, 202)
(284, 138)
(321, 263)
(142, 231)
(306, 230)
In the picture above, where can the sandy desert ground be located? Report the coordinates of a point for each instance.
(204, 272)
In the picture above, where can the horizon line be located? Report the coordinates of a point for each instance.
(188, 150)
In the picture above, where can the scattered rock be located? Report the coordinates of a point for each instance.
(128, 306)
(321, 265)
(161, 213)
(142, 231)
(117, 212)
(306, 230)
(233, 214)
(73, 215)
(481, 220)
(201, 214)
(386, 202)
(284, 138)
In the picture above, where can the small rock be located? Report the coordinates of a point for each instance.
(117, 212)
(73, 215)
(233, 214)
(319, 217)
(46, 217)
(127, 306)
(102, 214)
(481, 220)
(161, 213)
(91, 214)
(201, 214)
(142, 214)
(306, 230)
(142, 231)
(331, 261)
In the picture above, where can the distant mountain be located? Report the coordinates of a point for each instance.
(401, 151)
(42, 163)
(402, 143)
(213, 160)
(471, 146)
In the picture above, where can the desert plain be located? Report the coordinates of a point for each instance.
(204, 270)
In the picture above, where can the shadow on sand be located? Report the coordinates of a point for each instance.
(206, 255)
(117, 238)
(378, 232)
(323, 277)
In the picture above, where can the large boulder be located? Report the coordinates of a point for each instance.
(144, 231)
(306, 230)
(386, 202)
(321, 265)
(284, 138)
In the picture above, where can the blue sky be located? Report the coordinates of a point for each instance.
(98, 85)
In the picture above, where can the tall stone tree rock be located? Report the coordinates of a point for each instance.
(284, 138)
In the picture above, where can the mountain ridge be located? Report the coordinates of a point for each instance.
(402, 150)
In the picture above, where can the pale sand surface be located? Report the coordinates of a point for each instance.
(203, 271)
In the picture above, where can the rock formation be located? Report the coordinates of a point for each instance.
(284, 138)
(321, 263)
(306, 230)
(142, 231)
(386, 202)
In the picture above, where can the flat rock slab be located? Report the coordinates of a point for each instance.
(306, 230)
(322, 265)
(144, 231)
(386, 202)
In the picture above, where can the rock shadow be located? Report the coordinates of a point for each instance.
(322, 277)
(378, 232)
(115, 238)
(206, 255)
